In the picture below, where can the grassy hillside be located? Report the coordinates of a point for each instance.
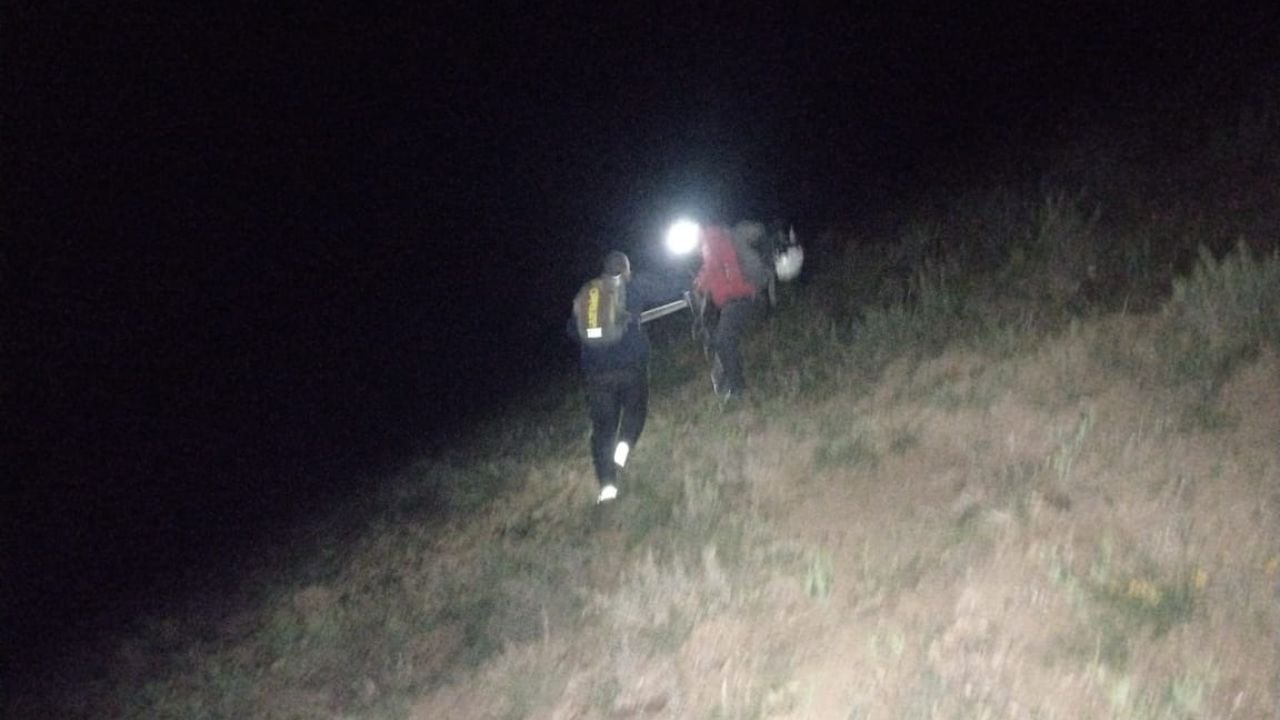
(1018, 457)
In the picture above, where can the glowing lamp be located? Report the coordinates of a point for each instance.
(683, 236)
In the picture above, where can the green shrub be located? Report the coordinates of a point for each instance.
(1220, 314)
(1232, 305)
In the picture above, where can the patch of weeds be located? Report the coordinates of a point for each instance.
(1053, 261)
(604, 694)
(667, 636)
(1058, 568)
(990, 382)
(967, 524)
(819, 576)
(472, 614)
(283, 633)
(508, 594)
(968, 538)
(927, 693)
(1220, 316)
(1142, 601)
(733, 543)
(646, 509)
(909, 574)
(162, 701)
(882, 335)
(1101, 645)
(416, 494)
(230, 681)
(1111, 645)
(854, 449)
(1004, 333)
(534, 590)
(788, 375)
(683, 367)
(1125, 602)
(465, 489)
(903, 439)
(1070, 384)
(951, 391)
(701, 507)
(881, 577)
(780, 699)
(1204, 414)
(1189, 362)
(1119, 693)
(1120, 356)
(1230, 303)
(940, 297)
(1014, 486)
(659, 603)
(1117, 605)
(1068, 447)
(1184, 696)
(947, 396)
(217, 688)
(887, 646)
(1181, 697)
(764, 688)
(531, 689)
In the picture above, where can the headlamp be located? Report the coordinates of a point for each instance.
(683, 236)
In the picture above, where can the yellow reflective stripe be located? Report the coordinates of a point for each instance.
(593, 307)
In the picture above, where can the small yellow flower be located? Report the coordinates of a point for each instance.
(1201, 579)
(1144, 590)
(1273, 566)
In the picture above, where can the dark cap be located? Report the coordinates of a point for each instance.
(616, 263)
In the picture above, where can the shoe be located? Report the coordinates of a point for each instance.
(607, 493)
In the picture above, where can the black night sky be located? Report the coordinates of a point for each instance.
(251, 254)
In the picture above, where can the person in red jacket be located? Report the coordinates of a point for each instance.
(732, 276)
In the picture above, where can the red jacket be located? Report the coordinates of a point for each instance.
(721, 275)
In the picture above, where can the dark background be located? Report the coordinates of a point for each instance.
(251, 256)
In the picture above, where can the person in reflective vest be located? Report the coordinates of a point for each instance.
(616, 374)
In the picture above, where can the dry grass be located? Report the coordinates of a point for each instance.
(948, 507)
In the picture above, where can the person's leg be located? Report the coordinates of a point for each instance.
(603, 408)
(734, 319)
(635, 407)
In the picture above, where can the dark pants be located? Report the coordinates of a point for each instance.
(735, 318)
(618, 402)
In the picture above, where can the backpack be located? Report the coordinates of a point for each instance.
(746, 243)
(730, 272)
(600, 311)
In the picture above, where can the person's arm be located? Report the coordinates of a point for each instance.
(700, 281)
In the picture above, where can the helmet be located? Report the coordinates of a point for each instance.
(788, 262)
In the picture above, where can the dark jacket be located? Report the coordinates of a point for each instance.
(645, 290)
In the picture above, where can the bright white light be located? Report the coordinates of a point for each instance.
(620, 454)
(682, 236)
